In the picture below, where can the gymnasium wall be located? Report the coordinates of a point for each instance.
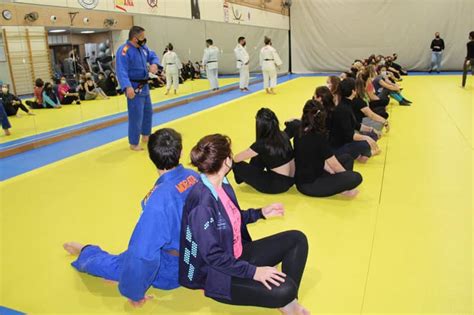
(188, 38)
(327, 35)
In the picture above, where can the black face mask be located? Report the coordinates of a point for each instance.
(437, 36)
(231, 166)
(141, 42)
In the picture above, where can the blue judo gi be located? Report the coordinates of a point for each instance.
(147, 261)
(4, 117)
(132, 71)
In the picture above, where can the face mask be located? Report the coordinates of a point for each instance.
(437, 36)
(141, 42)
(4, 90)
(383, 72)
(329, 86)
(63, 81)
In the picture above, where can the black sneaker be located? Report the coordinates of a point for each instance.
(404, 99)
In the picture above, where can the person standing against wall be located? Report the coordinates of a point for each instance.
(469, 58)
(210, 60)
(132, 60)
(437, 48)
(269, 61)
(172, 65)
(242, 57)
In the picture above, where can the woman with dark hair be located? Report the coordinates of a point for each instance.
(332, 84)
(37, 102)
(172, 66)
(111, 85)
(343, 126)
(319, 173)
(270, 61)
(12, 103)
(362, 112)
(50, 99)
(217, 254)
(271, 168)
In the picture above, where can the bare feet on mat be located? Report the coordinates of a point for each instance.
(350, 193)
(136, 148)
(145, 139)
(362, 159)
(294, 308)
(73, 248)
(7, 132)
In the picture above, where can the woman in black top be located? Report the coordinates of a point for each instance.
(319, 172)
(271, 168)
(469, 58)
(437, 48)
(12, 103)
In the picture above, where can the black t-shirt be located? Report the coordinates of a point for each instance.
(470, 50)
(439, 42)
(357, 105)
(272, 161)
(343, 124)
(311, 151)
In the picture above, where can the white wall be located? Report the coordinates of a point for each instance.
(188, 38)
(327, 35)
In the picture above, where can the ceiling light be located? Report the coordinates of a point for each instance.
(57, 31)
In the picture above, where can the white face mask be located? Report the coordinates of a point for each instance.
(4, 90)
(63, 81)
(329, 85)
(383, 73)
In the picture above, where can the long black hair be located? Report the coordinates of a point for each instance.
(313, 118)
(268, 131)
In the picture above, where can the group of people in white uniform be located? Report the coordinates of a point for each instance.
(270, 62)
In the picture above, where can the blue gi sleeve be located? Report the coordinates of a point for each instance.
(142, 259)
(122, 67)
(204, 231)
(251, 216)
(153, 59)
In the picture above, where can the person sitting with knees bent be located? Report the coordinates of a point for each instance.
(342, 127)
(12, 103)
(50, 98)
(152, 255)
(271, 168)
(65, 95)
(217, 253)
(320, 173)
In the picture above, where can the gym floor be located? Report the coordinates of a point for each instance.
(404, 245)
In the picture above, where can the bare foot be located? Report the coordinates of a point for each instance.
(376, 152)
(362, 159)
(167, 92)
(31, 113)
(18, 115)
(350, 193)
(7, 132)
(110, 282)
(145, 139)
(290, 309)
(175, 92)
(136, 148)
(73, 248)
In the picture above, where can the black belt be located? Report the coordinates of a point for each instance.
(268, 59)
(239, 60)
(169, 64)
(142, 81)
(212, 61)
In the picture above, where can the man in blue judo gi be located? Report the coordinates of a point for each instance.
(152, 255)
(132, 61)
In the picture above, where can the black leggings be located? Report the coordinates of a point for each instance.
(379, 107)
(331, 184)
(355, 149)
(69, 99)
(289, 248)
(13, 109)
(264, 181)
(34, 104)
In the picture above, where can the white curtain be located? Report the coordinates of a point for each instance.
(328, 35)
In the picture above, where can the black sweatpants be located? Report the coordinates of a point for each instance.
(13, 109)
(289, 248)
(379, 107)
(332, 184)
(69, 99)
(34, 104)
(264, 181)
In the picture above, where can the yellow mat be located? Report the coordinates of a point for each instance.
(52, 119)
(404, 245)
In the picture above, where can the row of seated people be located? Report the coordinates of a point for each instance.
(340, 124)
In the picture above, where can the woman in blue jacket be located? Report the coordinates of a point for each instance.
(216, 251)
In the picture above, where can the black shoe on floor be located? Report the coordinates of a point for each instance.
(408, 101)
